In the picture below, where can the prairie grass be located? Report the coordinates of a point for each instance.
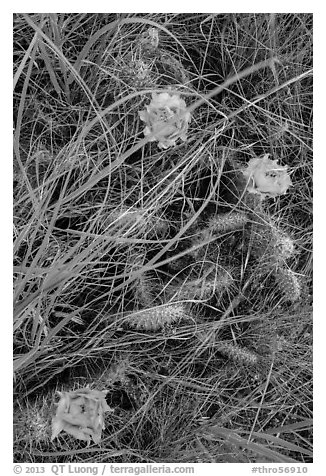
(152, 274)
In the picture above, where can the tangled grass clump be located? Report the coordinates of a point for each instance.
(144, 266)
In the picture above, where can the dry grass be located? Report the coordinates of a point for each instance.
(151, 273)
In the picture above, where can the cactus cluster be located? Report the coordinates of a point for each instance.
(211, 262)
(274, 249)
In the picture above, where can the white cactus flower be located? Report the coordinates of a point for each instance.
(166, 119)
(80, 413)
(266, 177)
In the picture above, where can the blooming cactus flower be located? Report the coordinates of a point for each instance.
(80, 413)
(166, 119)
(266, 177)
